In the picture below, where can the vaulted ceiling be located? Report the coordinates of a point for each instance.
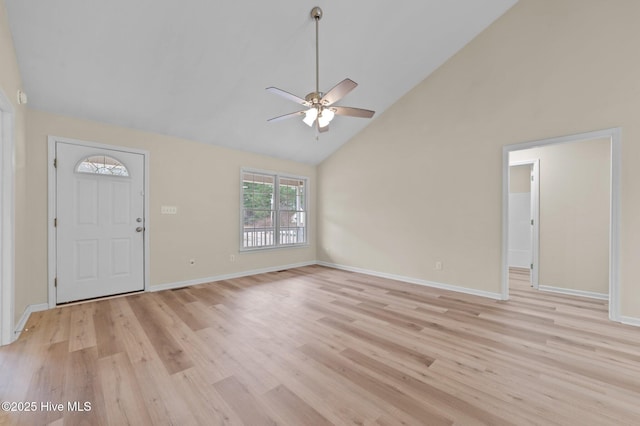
(198, 69)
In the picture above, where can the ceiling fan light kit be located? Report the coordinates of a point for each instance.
(320, 105)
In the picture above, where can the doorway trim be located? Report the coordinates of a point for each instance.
(7, 215)
(614, 134)
(535, 213)
(52, 246)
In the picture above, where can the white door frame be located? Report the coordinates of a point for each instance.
(52, 140)
(7, 228)
(614, 134)
(535, 215)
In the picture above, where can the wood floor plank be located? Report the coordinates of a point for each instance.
(122, 394)
(292, 409)
(242, 366)
(149, 316)
(106, 339)
(331, 313)
(18, 362)
(131, 335)
(182, 310)
(384, 343)
(318, 389)
(205, 404)
(82, 386)
(457, 406)
(245, 405)
(47, 384)
(82, 333)
(388, 393)
(159, 396)
(315, 345)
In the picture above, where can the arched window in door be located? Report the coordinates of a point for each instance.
(102, 165)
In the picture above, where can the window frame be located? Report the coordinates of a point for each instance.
(119, 166)
(277, 176)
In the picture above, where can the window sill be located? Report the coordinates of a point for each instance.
(269, 248)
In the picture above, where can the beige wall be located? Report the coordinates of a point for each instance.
(520, 179)
(10, 82)
(423, 181)
(203, 181)
(574, 213)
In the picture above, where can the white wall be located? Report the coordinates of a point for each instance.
(423, 182)
(520, 179)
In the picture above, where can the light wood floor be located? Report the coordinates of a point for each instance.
(317, 346)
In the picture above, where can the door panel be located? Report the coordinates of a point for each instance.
(121, 254)
(99, 251)
(85, 260)
(86, 207)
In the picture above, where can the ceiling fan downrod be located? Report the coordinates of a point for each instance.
(316, 14)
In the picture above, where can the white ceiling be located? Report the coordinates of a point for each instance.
(198, 69)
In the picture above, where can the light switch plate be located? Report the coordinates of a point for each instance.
(168, 210)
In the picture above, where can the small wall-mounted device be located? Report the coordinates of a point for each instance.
(22, 97)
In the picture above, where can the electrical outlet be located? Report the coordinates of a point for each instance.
(438, 265)
(232, 258)
(192, 262)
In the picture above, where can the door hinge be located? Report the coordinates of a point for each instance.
(531, 178)
(55, 222)
(532, 221)
(532, 266)
(55, 163)
(55, 282)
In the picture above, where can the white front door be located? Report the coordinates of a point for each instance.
(99, 222)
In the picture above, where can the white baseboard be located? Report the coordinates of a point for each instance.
(572, 292)
(458, 289)
(180, 284)
(25, 317)
(630, 321)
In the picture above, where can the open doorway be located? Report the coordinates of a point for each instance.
(524, 201)
(578, 214)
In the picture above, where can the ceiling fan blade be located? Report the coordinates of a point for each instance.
(288, 95)
(338, 91)
(353, 112)
(284, 117)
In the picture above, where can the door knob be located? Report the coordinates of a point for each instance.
(139, 229)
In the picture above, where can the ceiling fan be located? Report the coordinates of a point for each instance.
(320, 109)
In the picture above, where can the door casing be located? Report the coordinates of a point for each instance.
(52, 249)
(614, 135)
(7, 233)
